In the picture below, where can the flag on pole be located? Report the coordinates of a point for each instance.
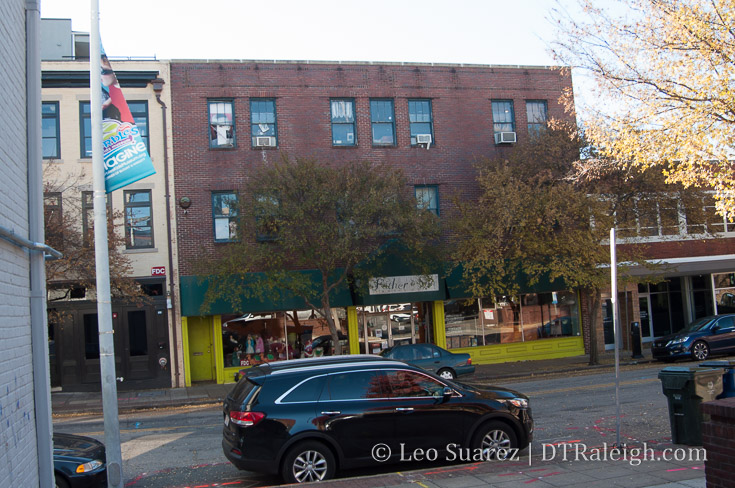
(124, 152)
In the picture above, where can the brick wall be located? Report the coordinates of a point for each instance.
(462, 115)
(18, 455)
(718, 437)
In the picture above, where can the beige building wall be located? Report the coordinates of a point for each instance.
(71, 167)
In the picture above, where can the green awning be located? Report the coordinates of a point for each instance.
(457, 287)
(193, 290)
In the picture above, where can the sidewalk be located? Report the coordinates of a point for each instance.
(70, 403)
(540, 474)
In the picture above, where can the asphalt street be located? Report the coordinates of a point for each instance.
(181, 447)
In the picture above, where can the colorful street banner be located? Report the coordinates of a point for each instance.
(124, 152)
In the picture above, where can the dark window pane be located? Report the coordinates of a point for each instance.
(404, 384)
(307, 391)
(352, 386)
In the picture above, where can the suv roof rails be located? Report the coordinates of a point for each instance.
(267, 368)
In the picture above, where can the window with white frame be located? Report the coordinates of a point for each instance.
(665, 216)
(221, 123)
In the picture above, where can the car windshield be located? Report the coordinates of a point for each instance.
(699, 324)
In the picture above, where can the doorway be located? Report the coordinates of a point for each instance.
(201, 345)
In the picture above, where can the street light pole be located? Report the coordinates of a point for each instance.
(616, 331)
(102, 263)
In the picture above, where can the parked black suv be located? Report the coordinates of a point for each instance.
(306, 418)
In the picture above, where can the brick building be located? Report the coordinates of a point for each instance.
(432, 121)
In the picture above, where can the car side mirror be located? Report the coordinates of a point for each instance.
(715, 328)
(447, 394)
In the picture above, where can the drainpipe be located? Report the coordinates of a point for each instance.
(158, 88)
(39, 325)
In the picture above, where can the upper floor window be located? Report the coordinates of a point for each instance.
(221, 123)
(52, 211)
(138, 219)
(139, 110)
(50, 130)
(224, 215)
(422, 125)
(536, 115)
(85, 130)
(88, 215)
(382, 119)
(343, 122)
(503, 116)
(427, 197)
(266, 220)
(263, 122)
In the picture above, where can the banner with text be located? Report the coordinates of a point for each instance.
(124, 151)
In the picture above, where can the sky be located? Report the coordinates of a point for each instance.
(490, 32)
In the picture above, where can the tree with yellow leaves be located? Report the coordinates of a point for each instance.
(664, 74)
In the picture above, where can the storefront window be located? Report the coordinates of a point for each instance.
(532, 316)
(252, 339)
(384, 326)
(724, 284)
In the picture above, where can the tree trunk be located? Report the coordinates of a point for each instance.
(594, 324)
(329, 315)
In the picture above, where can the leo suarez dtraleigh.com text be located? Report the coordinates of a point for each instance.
(564, 452)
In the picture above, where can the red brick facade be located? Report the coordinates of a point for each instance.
(718, 436)
(462, 124)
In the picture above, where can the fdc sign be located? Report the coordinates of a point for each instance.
(158, 271)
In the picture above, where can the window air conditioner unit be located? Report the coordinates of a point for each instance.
(423, 138)
(505, 137)
(265, 141)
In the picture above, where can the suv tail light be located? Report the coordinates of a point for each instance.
(469, 361)
(246, 419)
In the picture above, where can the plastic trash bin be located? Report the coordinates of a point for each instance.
(685, 389)
(728, 377)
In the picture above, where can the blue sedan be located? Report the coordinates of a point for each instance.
(709, 335)
(432, 358)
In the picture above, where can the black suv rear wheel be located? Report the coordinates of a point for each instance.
(308, 461)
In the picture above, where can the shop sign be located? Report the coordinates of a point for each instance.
(404, 284)
(158, 271)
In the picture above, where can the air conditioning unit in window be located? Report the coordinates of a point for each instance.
(265, 141)
(423, 138)
(505, 137)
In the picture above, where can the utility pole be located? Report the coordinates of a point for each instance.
(102, 263)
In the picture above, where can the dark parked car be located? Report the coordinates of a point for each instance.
(307, 418)
(79, 461)
(432, 358)
(325, 342)
(709, 335)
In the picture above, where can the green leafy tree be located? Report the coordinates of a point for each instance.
(662, 74)
(300, 215)
(534, 219)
